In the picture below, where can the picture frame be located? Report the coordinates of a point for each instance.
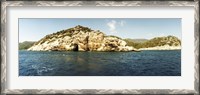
(4, 56)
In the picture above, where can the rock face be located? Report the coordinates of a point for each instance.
(80, 38)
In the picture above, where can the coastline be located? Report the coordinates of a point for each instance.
(162, 48)
(135, 50)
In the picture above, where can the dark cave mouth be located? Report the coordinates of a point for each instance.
(75, 47)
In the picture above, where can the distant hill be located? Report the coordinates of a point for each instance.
(137, 40)
(155, 42)
(25, 45)
(161, 41)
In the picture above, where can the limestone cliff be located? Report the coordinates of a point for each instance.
(80, 38)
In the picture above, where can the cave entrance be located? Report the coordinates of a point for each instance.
(75, 47)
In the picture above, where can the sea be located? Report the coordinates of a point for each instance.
(76, 63)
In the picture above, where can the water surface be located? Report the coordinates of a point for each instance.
(57, 63)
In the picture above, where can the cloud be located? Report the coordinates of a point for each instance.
(112, 25)
(121, 23)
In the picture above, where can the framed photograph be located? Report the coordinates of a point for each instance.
(100, 47)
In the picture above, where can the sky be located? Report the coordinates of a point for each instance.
(33, 29)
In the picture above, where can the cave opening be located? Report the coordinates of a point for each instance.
(75, 47)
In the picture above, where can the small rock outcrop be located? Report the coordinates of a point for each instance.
(80, 38)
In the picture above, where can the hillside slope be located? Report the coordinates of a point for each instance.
(25, 45)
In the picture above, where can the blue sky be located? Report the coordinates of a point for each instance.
(146, 28)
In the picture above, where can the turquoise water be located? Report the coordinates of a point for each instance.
(55, 63)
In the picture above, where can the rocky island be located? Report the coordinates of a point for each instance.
(80, 38)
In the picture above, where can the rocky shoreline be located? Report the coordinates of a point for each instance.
(162, 48)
